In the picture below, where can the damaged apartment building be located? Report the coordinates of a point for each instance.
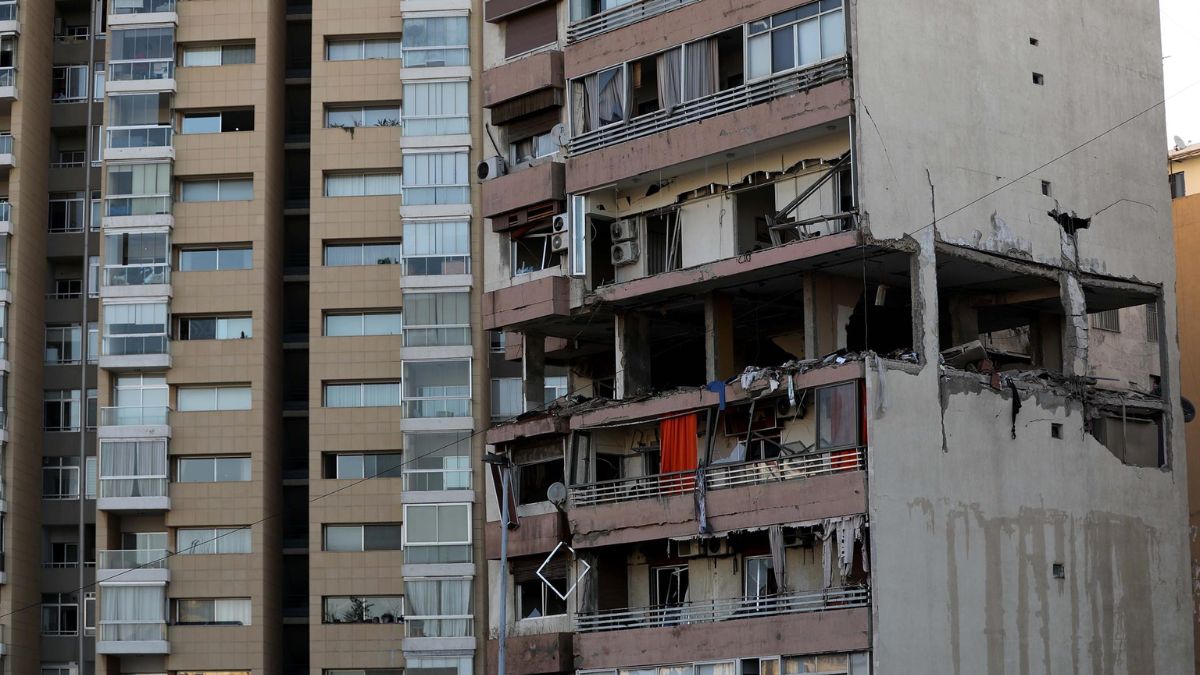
(859, 362)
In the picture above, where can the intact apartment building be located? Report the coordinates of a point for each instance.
(242, 358)
(853, 385)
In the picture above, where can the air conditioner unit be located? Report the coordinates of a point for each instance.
(624, 230)
(624, 253)
(695, 548)
(560, 241)
(560, 223)
(799, 540)
(491, 168)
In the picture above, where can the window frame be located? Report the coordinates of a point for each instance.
(216, 390)
(396, 42)
(184, 183)
(214, 460)
(216, 251)
(362, 323)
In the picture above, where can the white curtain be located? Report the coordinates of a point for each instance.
(381, 184)
(377, 394)
(196, 398)
(140, 179)
(437, 309)
(233, 398)
(437, 238)
(435, 108)
(359, 185)
(343, 396)
(669, 65)
(139, 608)
(199, 191)
(702, 74)
(236, 189)
(232, 611)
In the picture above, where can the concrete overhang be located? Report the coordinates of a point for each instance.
(522, 429)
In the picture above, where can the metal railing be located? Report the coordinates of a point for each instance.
(147, 558)
(144, 136)
(142, 7)
(709, 611)
(717, 477)
(141, 70)
(744, 96)
(135, 345)
(117, 416)
(137, 275)
(151, 205)
(617, 17)
(133, 486)
(132, 631)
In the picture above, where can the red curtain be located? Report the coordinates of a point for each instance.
(677, 439)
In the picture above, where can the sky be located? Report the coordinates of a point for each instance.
(1181, 67)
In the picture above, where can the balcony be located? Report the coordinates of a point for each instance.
(619, 16)
(142, 75)
(138, 12)
(8, 84)
(132, 637)
(139, 142)
(133, 493)
(525, 187)
(135, 422)
(9, 19)
(528, 300)
(536, 654)
(138, 211)
(524, 86)
(149, 281)
(6, 152)
(135, 352)
(144, 565)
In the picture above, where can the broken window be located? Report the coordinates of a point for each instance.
(1135, 440)
(664, 243)
(598, 100)
(837, 417)
(1178, 186)
(668, 585)
(533, 249)
(535, 478)
(760, 579)
(535, 599)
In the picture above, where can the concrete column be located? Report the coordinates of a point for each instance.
(718, 337)
(1075, 325)
(810, 317)
(964, 321)
(533, 370)
(632, 377)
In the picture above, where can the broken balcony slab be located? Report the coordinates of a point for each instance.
(536, 654)
(534, 426)
(535, 535)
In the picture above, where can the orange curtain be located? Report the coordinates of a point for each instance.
(677, 439)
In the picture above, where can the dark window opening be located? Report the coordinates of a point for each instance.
(534, 479)
(664, 243)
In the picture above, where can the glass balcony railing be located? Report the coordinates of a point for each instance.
(133, 486)
(142, 6)
(8, 77)
(119, 416)
(6, 144)
(141, 70)
(153, 205)
(5, 211)
(3, 284)
(437, 407)
(132, 631)
(148, 136)
(135, 345)
(137, 275)
(149, 558)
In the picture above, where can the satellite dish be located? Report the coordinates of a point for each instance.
(558, 134)
(1189, 411)
(557, 494)
(1179, 144)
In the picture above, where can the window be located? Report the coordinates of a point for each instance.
(339, 324)
(365, 671)
(361, 184)
(133, 612)
(139, 121)
(437, 533)
(351, 465)
(210, 541)
(93, 344)
(366, 253)
(668, 585)
(91, 475)
(216, 328)
(61, 411)
(435, 41)
(532, 147)
(211, 611)
(58, 669)
(139, 399)
(496, 341)
(760, 582)
(133, 468)
(141, 54)
(363, 116)
(135, 328)
(362, 394)
(212, 469)
(837, 417)
(215, 259)
(363, 609)
(197, 399)
(534, 598)
(555, 387)
(66, 213)
(437, 461)
(346, 538)
(1109, 320)
(535, 478)
(63, 344)
(508, 398)
(138, 189)
(217, 190)
(363, 50)
(435, 108)
(60, 614)
(217, 122)
(433, 319)
(136, 259)
(436, 178)
(796, 38)
(437, 247)
(437, 389)
(62, 554)
(69, 84)
(1178, 184)
(93, 277)
(438, 608)
(1152, 322)
(60, 478)
(830, 664)
(217, 55)
(437, 665)
(600, 100)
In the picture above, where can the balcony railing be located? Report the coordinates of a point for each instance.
(422, 480)
(437, 265)
(149, 558)
(132, 631)
(8, 77)
(141, 70)
(143, 6)
(6, 144)
(709, 611)
(137, 275)
(154, 205)
(135, 345)
(145, 136)
(617, 17)
(437, 407)
(717, 477)
(133, 486)
(119, 416)
(5, 211)
(777, 86)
